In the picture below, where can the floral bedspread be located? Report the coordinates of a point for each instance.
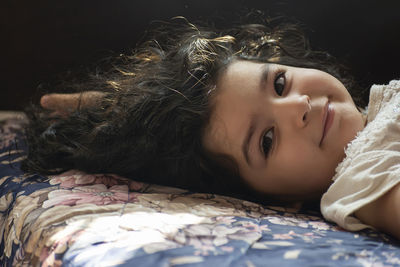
(77, 219)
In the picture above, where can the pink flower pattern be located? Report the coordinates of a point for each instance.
(97, 194)
(73, 178)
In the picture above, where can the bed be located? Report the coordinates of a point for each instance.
(78, 219)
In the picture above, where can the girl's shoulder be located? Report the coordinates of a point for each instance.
(393, 87)
(395, 83)
(389, 89)
(380, 96)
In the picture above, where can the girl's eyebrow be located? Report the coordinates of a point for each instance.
(264, 76)
(250, 131)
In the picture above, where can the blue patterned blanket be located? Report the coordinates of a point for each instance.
(78, 219)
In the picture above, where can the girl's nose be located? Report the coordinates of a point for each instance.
(297, 109)
(306, 105)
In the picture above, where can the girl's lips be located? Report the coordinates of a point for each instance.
(329, 114)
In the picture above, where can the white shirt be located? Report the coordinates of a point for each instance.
(372, 163)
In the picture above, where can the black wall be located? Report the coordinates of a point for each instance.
(43, 38)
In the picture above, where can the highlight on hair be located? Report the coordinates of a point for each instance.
(150, 123)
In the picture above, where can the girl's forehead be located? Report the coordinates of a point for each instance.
(232, 106)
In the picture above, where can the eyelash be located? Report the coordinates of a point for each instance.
(268, 136)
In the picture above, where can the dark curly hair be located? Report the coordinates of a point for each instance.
(150, 123)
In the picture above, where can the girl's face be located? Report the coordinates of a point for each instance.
(285, 127)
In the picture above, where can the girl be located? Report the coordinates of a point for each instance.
(251, 111)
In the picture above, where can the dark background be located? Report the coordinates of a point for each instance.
(40, 39)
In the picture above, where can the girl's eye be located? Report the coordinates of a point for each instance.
(279, 83)
(267, 141)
